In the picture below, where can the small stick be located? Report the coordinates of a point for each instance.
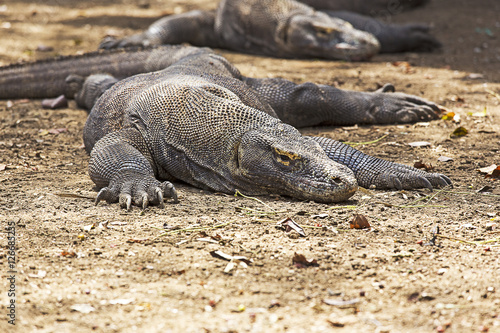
(237, 192)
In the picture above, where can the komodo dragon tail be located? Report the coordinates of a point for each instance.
(47, 78)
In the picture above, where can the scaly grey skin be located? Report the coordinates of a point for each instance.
(195, 118)
(366, 7)
(283, 28)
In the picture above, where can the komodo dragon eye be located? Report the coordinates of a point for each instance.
(324, 31)
(285, 157)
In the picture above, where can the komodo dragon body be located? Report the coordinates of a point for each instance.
(194, 117)
(287, 29)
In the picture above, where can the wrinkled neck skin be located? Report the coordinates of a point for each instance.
(319, 35)
(287, 163)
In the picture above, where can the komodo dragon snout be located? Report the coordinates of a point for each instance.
(317, 35)
(297, 167)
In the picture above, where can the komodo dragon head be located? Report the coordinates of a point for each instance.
(292, 165)
(318, 35)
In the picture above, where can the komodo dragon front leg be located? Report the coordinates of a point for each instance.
(195, 27)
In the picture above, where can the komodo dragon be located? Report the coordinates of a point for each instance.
(193, 117)
(285, 28)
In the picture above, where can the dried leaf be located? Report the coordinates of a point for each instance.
(341, 303)
(55, 103)
(359, 222)
(300, 261)
(420, 165)
(492, 171)
(456, 98)
(495, 173)
(444, 159)
(288, 225)
(122, 301)
(448, 116)
(82, 308)
(404, 66)
(474, 76)
(131, 240)
(480, 113)
(319, 216)
(221, 255)
(460, 131)
(44, 48)
(57, 130)
(420, 144)
(485, 189)
(68, 254)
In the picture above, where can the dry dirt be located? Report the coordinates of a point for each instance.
(129, 276)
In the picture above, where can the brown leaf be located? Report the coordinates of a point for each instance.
(288, 225)
(224, 256)
(492, 171)
(404, 66)
(55, 103)
(448, 116)
(494, 174)
(420, 165)
(68, 254)
(359, 222)
(460, 131)
(57, 130)
(131, 240)
(300, 261)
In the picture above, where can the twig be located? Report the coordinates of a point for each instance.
(342, 207)
(470, 242)
(74, 195)
(237, 192)
(479, 193)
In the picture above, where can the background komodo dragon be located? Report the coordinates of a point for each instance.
(288, 29)
(193, 117)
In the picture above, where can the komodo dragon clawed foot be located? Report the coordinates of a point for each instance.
(386, 107)
(373, 172)
(134, 40)
(141, 192)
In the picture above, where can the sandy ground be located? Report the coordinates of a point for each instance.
(84, 268)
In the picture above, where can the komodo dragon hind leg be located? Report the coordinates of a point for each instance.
(381, 174)
(121, 166)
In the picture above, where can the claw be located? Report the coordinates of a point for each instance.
(125, 200)
(169, 189)
(145, 200)
(101, 195)
(425, 182)
(447, 180)
(388, 87)
(159, 197)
